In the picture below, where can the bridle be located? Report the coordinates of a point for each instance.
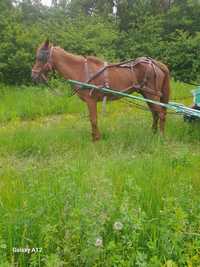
(45, 57)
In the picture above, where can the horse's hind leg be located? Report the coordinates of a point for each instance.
(162, 119)
(159, 114)
(155, 121)
(155, 116)
(92, 107)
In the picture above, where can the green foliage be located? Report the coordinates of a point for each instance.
(182, 55)
(89, 36)
(143, 40)
(90, 7)
(163, 29)
(86, 36)
(17, 46)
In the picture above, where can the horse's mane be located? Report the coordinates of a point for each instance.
(95, 60)
(77, 57)
(92, 59)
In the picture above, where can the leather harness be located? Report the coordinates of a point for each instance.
(130, 64)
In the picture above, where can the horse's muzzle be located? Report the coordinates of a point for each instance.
(34, 78)
(37, 77)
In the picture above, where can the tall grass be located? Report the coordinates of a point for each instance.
(29, 102)
(64, 194)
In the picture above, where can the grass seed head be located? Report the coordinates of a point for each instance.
(118, 226)
(99, 242)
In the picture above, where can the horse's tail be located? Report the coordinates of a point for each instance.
(165, 90)
(166, 86)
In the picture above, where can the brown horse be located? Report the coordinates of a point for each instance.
(144, 75)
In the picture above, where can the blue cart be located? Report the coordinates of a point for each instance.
(195, 106)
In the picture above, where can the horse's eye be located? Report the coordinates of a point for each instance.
(42, 56)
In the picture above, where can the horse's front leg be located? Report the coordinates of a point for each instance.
(92, 107)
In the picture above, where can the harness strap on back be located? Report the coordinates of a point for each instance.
(49, 64)
(86, 69)
(87, 74)
(106, 80)
(106, 84)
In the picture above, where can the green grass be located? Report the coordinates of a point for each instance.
(32, 102)
(60, 192)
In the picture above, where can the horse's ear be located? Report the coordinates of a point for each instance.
(46, 44)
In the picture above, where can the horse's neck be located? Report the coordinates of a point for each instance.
(68, 65)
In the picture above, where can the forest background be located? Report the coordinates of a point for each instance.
(167, 30)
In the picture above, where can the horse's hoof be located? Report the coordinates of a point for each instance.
(96, 138)
(154, 131)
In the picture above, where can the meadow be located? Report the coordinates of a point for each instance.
(131, 199)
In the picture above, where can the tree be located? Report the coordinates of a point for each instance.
(183, 15)
(91, 7)
(5, 5)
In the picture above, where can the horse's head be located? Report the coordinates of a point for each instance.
(43, 63)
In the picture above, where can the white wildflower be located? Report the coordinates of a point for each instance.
(118, 226)
(99, 242)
